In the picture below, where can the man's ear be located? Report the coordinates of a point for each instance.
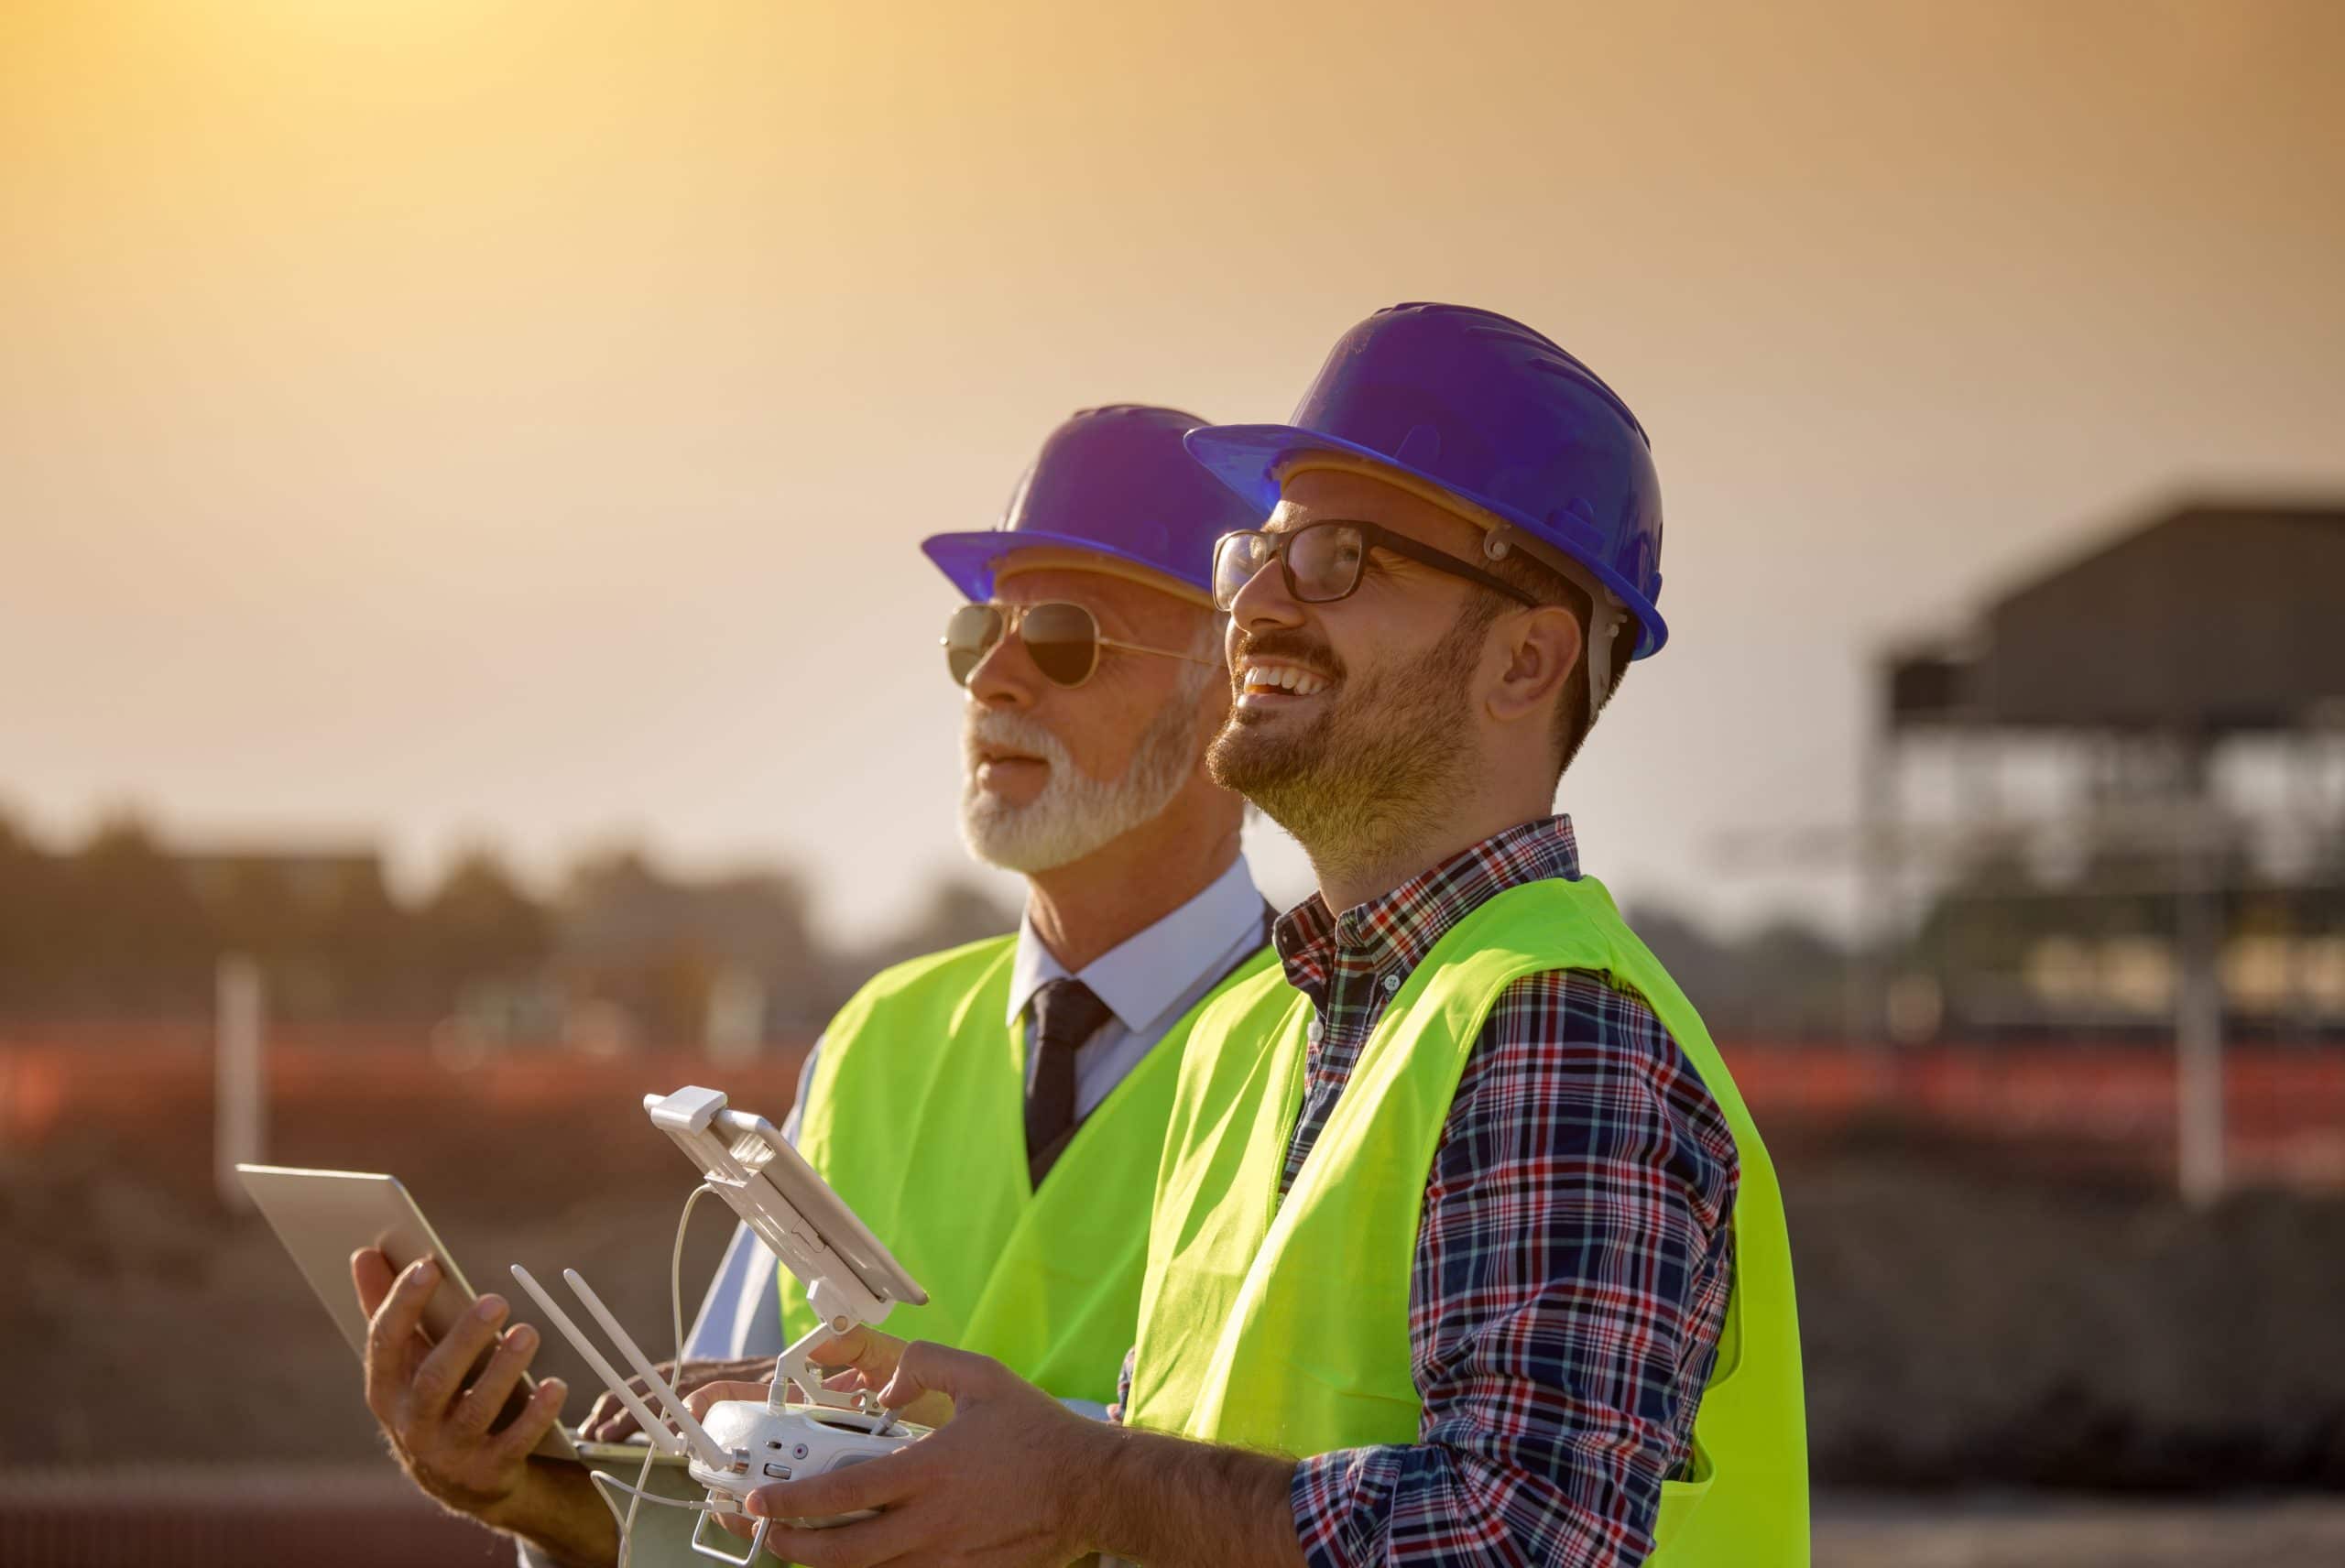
(1541, 647)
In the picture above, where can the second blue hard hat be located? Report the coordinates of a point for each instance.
(1115, 485)
(1488, 411)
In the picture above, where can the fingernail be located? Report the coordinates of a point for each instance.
(755, 1504)
(521, 1335)
(428, 1268)
(488, 1308)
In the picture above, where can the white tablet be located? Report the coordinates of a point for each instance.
(324, 1216)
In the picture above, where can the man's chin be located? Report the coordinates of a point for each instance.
(1249, 764)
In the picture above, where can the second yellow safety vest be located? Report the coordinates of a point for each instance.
(1283, 1324)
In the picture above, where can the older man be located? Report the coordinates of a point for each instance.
(1465, 1249)
(996, 1113)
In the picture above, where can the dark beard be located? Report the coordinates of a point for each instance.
(1355, 783)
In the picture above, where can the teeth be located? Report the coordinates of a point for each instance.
(1282, 677)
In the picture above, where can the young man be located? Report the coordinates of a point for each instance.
(1440, 1273)
(995, 1113)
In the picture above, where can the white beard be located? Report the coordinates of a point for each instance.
(1075, 815)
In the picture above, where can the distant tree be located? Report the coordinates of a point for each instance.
(957, 910)
(32, 897)
(480, 923)
(629, 934)
(136, 936)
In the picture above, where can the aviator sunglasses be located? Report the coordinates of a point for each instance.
(1323, 562)
(1062, 639)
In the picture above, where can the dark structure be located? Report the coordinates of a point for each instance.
(2128, 673)
(2210, 620)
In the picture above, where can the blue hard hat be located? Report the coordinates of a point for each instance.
(1112, 482)
(1487, 410)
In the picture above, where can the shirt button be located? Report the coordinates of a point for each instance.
(1318, 1032)
(1391, 984)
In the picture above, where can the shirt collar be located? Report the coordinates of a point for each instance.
(1397, 930)
(1155, 968)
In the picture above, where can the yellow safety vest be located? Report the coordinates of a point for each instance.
(917, 1114)
(1284, 1325)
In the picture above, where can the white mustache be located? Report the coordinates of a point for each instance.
(1015, 732)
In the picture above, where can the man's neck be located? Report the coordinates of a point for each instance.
(1096, 905)
(1353, 873)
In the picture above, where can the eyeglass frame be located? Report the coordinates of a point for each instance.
(1372, 536)
(1012, 614)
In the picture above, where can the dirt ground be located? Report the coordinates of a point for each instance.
(1857, 1531)
(1967, 1325)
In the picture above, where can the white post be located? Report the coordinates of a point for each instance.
(734, 1028)
(2199, 998)
(239, 1087)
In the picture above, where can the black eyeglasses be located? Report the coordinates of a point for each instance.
(1323, 562)
(1062, 639)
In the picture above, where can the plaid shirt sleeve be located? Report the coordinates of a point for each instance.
(1571, 1276)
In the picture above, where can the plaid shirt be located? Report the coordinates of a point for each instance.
(1571, 1260)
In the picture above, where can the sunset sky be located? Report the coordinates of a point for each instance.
(438, 421)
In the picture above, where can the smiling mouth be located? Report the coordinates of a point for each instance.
(1270, 677)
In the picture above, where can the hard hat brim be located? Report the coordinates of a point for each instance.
(967, 560)
(1250, 459)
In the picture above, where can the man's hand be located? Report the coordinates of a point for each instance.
(443, 1427)
(1008, 1482)
(864, 1360)
(611, 1421)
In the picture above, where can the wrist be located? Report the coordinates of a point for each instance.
(1094, 1467)
(556, 1509)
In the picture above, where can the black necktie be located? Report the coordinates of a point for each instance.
(1065, 1015)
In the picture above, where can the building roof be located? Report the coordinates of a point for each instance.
(2210, 617)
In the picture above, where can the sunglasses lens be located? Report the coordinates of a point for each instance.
(1235, 558)
(1326, 559)
(969, 635)
(1063, 640)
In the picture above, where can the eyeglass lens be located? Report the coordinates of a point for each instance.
(1062, 639)
(1323, 562)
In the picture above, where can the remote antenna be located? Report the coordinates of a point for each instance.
(653, 1427)
(694, 1434)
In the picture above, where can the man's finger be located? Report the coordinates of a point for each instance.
(930, 1368)
(708, 1394)
(481, 1404)
(441, 1377)
(895, 1535)
(372, 1273)
(609, 1420)
(872, 1485)
(394, 1342)
(542, 1411)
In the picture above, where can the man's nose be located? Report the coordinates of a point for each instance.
(1006, 677)
(1262, 603)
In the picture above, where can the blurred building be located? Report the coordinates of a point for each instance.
(2116, 802)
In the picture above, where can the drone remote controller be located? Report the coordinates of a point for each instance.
(850, 1278)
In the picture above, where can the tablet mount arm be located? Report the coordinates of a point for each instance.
(849, 1277)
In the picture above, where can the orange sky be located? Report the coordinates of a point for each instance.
(451, 420)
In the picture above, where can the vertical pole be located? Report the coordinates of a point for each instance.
(2198, 993)
(1871, 958)
(238, 1088)
(733, 1028)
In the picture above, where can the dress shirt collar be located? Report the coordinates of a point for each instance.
(1393, 932)
(1152, 970)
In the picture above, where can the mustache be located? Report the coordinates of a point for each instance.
(1013, 732)
(1290, 647)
